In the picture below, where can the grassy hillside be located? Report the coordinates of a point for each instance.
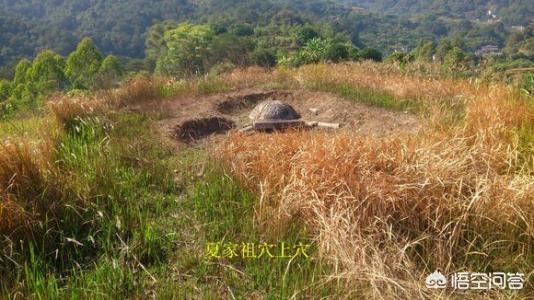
(97, 201)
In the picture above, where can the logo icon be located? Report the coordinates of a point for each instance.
(436, 280)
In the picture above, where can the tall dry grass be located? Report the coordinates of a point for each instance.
(37, 195)
(384, 211)
(28, 190)
(387, 211)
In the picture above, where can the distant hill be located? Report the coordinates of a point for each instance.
(119, 27)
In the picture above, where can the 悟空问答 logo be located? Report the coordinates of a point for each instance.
(436, 280)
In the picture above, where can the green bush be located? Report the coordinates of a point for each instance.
(354, 53)
(264, 57)
(242, 29)
(5, 90)
(306, 34)
(371, 54)
(337, 52)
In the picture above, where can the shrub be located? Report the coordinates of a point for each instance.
(371, 54)
(241, 29)
(306, 34)
(337, 52)
(354, 53)
(264, 57)
(455, 58)
(5, 90)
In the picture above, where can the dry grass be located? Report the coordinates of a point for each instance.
(386, 212)
(34, 191)
(136, 90)
(28, 196)
(67, 110)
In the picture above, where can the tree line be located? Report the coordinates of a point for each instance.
(187, 49)
(84, 68)
(120, 27)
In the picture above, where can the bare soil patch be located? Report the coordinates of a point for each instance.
(198, 128)
(235, 107)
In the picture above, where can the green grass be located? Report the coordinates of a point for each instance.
(212, 85)
(452, 112)
(29, 127)
(226, 212)
(202, 86)
(136, 220)
(368, 96)
(111, 201)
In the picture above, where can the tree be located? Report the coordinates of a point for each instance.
(431, 23)
(46, 73)
(455, 58)
(154, 42)
(513, 42)
(229, 48)
(527, 48)
(21, 72)
(110, 71)
(187, 50)
(83, 65)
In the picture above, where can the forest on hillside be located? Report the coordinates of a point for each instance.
(71, 45)
(119, 27)
(517, 12)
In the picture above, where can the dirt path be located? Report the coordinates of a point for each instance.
(201, 115)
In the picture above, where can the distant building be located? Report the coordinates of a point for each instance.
(489, 50)
(518, 28)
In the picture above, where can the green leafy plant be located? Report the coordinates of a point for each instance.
(83, 65)
(187, 50)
